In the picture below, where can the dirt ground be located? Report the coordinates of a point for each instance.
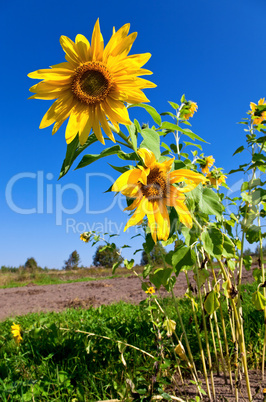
(33, 298)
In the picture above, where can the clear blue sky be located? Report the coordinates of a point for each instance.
(213, 51)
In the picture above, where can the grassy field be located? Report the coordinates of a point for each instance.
(55, 363)
(16, 277)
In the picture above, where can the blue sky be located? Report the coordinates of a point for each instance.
(211, 51)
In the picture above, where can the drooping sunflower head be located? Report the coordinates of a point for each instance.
(258, 116)
(93, 85)
(216, 177)
(189, 109)
(86, 236)
(206, 163)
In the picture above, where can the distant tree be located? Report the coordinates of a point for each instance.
(247, 252)
(257, 250)
(107, 256)
(31, 264)
(156, 255)
(72, 262)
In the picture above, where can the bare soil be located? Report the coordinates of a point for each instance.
(35, 298)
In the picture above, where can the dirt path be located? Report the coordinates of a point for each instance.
(33, 298)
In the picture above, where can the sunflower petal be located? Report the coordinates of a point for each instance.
(150, 208)
(85, 131)
(191, 178)
(147, 156)
(174, 195)
(162, 220)
(183, 213)
(69, 48)
(127, 183)
(97, 128)
(104, 124)
(59, 109)
(97, 44)
(52, 74)
(137, 217)
(114, 40)
(82, 47)
(134, 204)
(116, 111)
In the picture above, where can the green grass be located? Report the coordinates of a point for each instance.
(54, 277)
(56, 365)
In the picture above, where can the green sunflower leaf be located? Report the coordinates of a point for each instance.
(152, 112)
(151, 141)
(88, 159)
(209, 203)
(212, 240)
(252, 234)
(211, 302)
(258, 300)
(73, 151)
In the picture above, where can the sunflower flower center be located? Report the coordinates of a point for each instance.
(156, 185)
(91, 83)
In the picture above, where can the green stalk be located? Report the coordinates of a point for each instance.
(200, 344)
(264, 294)
(219, 340)
(191, 366)
(205, 332)
(241, 335)
(228, 361)
(185, 334)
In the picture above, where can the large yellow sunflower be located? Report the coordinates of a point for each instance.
(258, 116)
(152, 187)
(93, 83)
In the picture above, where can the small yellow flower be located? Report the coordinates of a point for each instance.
(216, 177)
(153, 188)
(150, 290)
(208, 162)
(93, 85)
(189, 110)
(85, 237)
(16, 332)
(257, 115)
(169, 326)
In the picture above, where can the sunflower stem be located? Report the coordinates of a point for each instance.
(224, 335)
(185, 334)
(199, 340)
(205, 329)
